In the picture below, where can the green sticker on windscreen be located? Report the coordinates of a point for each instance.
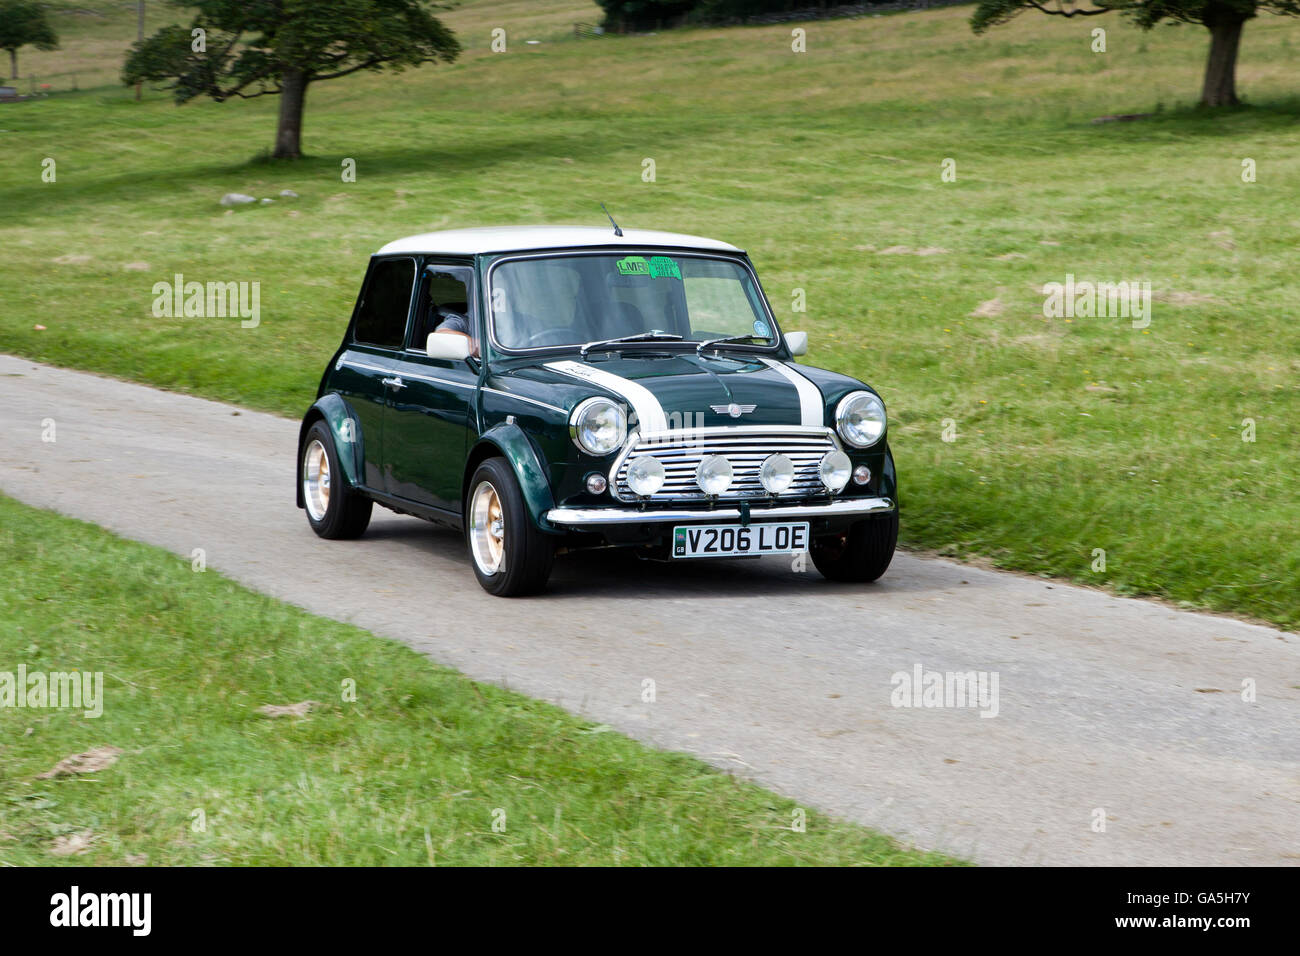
(662, 267)
(633, 266)
(657, 267)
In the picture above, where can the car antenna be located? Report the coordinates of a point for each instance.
(617, 231)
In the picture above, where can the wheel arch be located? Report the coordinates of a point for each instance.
(510, 442)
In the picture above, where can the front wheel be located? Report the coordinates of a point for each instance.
(511, 557)
(862, 553)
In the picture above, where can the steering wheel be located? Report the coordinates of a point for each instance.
(565, 336)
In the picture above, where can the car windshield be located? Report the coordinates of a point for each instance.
(571, 300)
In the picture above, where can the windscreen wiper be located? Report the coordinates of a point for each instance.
(730, 338)
(654, 335)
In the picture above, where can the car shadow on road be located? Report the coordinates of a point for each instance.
(618, 572)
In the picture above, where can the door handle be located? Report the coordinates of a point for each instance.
(394, 382)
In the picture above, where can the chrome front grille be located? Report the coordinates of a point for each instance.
(745, 447)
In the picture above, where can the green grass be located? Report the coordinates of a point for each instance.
(1072, 436)
(410, 773)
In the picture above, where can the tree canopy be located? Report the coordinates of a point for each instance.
(249, 48)
(1223, 18)
(23, 23)
(650, 14)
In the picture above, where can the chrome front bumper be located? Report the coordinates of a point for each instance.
(596, 517)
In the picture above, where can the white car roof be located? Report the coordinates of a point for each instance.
(491, 239)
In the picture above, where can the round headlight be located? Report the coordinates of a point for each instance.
(776, 473)
(645, 475)
(598, 426)
(860, 419)
(713, 475)
(835, 469)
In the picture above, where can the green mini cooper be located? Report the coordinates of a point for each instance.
(553, 388)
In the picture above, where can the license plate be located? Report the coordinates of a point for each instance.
(731, 540)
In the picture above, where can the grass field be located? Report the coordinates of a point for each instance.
(414, 770)
(1072, 436)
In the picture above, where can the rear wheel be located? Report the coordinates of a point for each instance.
(511, 557)
(862, 553)
(333, 509)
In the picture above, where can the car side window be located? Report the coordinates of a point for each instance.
(381, 320)
(444, 304)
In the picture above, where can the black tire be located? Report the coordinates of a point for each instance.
(346, 512)
(527, 555)
(860, 554)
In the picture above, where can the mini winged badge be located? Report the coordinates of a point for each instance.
(734, 410)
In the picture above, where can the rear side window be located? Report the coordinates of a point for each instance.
(381, 319)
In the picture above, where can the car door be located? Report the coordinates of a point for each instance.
(431, 418)
(371, 360)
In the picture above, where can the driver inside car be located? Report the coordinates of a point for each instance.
(451, 322)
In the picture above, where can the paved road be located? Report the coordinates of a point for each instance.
(1102, 702)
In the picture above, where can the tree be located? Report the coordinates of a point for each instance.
(23, 24)
(644, 14)
(250, 48)
(1223, 18)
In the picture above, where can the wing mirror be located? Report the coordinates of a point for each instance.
(797, 342)
(448, 345)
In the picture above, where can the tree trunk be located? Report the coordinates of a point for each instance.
(288, 137)
(13, 63)
(1220, 88)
